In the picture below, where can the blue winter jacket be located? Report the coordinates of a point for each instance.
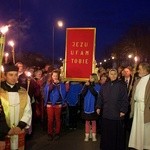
(73, 93)
(54, 93)
(90, 100)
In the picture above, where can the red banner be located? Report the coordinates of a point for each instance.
(80, 53)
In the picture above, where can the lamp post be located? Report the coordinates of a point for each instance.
(59, 24)
(12, 44)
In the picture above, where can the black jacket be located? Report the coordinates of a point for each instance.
(113, 99)
(3, 125)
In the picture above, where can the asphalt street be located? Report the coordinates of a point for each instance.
(69, 140)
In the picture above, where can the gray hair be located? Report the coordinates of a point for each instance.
(145, 66)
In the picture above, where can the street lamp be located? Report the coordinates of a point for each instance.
(59, 24)
(60, 58)
(113, 57)
(12, 44)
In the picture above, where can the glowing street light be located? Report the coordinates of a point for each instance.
(12, 44)
(59, 24)
(105, 60)
(112, 57)
(60, 58)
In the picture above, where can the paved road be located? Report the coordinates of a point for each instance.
(69, 140)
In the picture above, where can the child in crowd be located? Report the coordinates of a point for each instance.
(54, 98)
(72, 100)
(90, 94)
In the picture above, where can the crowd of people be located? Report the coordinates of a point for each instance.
(115, 102)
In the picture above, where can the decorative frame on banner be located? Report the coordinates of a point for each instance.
(79, 53)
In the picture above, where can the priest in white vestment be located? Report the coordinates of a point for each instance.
(16, 105)
(140, 110)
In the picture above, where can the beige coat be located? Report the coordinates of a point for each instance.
(146, 101)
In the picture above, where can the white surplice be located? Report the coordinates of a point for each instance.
(140, 132)
(14, 105)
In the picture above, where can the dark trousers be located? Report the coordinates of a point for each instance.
(73, 116)
(113, 135)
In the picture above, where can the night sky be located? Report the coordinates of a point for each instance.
(111, 18)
